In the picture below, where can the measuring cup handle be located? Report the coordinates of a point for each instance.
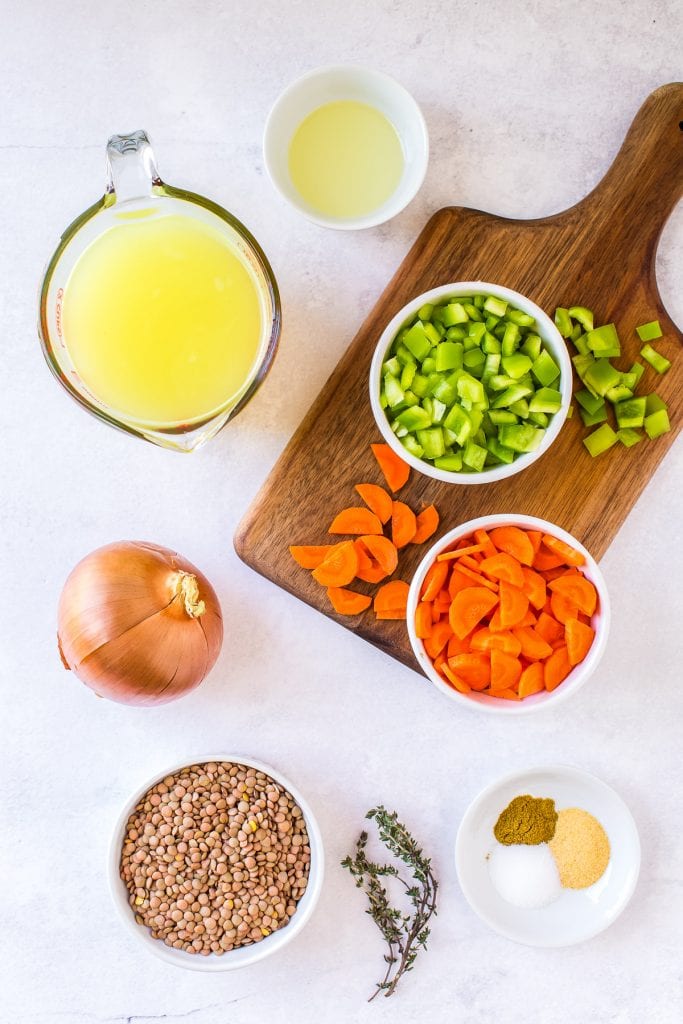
(132, 169)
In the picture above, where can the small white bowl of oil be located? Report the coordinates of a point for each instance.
(347, 146)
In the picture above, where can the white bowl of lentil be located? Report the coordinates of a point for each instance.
(280, 797)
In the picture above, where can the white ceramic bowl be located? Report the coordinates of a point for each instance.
(579, 674)
(347, 82)
(245, 955)
(578, 914)
(552, 340)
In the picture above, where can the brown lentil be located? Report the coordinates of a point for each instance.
(226, 835)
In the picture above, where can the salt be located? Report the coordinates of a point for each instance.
(525, 876)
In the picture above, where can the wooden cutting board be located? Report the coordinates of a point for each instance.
(600, 253)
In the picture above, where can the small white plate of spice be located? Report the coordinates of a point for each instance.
(548, 856)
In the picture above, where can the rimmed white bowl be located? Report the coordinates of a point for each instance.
(579, 675)
(347, 82)
(578, 914)
(552, 340)
(245, 955)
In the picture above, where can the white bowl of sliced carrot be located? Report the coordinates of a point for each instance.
(508, 614)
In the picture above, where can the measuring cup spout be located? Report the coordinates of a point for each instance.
(132, 168)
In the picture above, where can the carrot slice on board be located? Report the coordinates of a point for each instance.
(364, 560)
(482, 537)
(563, 608)
(382, 552)
(394, 469)
(434, 581)
(427, 524)
(577, 589)
(356, 520)
(309, 556)
(534, 587)
(439, 637)
(391, 613)
(556, 668)
(505, 670)
(468, 609)
(568, 554)
(531, 680)
(391, 596)
(474, 669)
(403, 524)
(423, 620)
(544, 559)
(348, 602)
(548, 628)
(579, 639)
(514, 542)
(485, 640)
(460, 552)
(503, 567)
(514, 604)
(534, 647)
(458, 684)
(339, 565)
(377, 500)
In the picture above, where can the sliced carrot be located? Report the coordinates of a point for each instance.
(505, 694)
(485, 640)
(391, 613)
(505, 670)
(403, 524)
(482, 537)
(458, 646)
(439, 662)
(427, 524)
(563, 608)
(568, 554)
(579, 639)
(494, 622)
(437, 640)
(534, 587)
(468, 609)
(503, 567)
(474, 669)
(356, 520)
(514, 605)
(348, 602)
(514, 542)
(577, 589)
(423, 620)
(531, 680)
(434, 581)
(382, 552)
(469, 562)
(556, 668)
(459, 684)
(535, 538)
(394, 469)
(548, 628)
(544, 559)
(392, 596)
(458, 581)
(436, 612)
(443, 600)
(478, 578)
(309, 556)
(459, 552)
(534, 647)
(377, 500)
(368, 569)
(339, 565)
(528, 620)
(553, 574)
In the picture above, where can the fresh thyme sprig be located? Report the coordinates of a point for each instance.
(405, 934)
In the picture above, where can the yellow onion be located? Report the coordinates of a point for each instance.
(138, 624)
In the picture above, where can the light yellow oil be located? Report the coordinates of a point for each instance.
(162, 319)
(345, 159)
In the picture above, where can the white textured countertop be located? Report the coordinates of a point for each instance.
(526, 105)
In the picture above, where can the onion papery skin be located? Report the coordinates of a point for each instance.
(125, 627)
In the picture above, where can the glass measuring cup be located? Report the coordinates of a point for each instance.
(135, 190)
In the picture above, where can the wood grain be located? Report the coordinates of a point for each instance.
(600, 253)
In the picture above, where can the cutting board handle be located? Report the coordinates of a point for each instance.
(645, 180)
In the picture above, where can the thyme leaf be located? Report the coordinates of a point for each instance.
(405, 934)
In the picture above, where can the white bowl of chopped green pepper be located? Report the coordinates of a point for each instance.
(470, 382)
